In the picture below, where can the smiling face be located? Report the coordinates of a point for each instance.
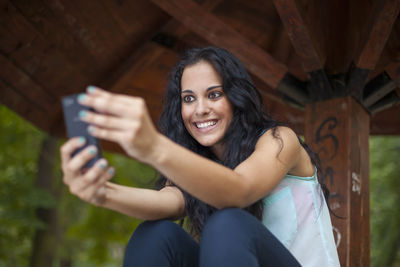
(206, 111)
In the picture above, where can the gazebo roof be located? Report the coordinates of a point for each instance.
(297, 52)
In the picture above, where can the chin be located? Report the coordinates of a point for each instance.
(204, 142)
(208, 142)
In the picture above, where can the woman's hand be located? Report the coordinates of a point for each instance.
(87, 184)
(121, 119)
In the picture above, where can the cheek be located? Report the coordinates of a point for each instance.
(226, 109)
(185, 112)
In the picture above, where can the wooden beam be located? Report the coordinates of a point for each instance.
(172, 31)
(23, 106)
(319, 86)
(208, 26)
(170, 36)
(370, 53)
(377, 89)
(338, 130)
(393, 70)
(390, 100)
(24, 85)
(379, 34)
(299, 35)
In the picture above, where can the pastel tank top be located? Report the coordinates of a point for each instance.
(297, 214)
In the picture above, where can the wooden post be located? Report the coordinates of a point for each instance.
(338, 129)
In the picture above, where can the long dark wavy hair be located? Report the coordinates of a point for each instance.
(249, 121)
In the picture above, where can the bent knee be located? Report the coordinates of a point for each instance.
(159, 229)
(226, 217)
(225, 221)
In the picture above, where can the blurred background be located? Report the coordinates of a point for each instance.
(42, 224)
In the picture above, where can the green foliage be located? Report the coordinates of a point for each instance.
(19, 142)
(384, 199)
(89, 236)
(98, 236)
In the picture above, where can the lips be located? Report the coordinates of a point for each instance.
(205, 124)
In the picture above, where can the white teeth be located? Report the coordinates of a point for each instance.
(205, 124)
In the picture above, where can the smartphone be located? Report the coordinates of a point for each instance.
(76, 127)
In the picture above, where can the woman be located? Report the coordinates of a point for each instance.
(219, 154)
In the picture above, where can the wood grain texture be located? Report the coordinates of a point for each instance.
(220, 34)
(338, 130)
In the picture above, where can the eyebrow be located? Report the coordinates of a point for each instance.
(208, 89)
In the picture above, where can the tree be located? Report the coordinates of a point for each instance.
(385, 199)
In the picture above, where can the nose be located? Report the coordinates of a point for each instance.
(202, 107)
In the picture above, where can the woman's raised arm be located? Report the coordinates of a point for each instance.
(91, 186)
(127, 122)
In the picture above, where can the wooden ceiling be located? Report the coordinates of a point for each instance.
(297, 51)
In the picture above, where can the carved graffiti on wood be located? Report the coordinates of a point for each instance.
(328, 145)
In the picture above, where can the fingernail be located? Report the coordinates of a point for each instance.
(92, 151)
(102, 165)
(82, 140)
(82, 114)
(111, 171)
(91, 89)
(81, 97)
(90, 129)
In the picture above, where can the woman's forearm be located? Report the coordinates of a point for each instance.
(145, 204)
(207, 180)
(223, 187)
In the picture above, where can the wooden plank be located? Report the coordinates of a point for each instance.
(299, 35)
(319, 86)
(24, 85)
(338, 130)
(208, 26)
(135, 18)
(35, 55)
(390, 100)
(45, 22)
(136, 60)
(379, 33)
(24, 107)
(381, 28)
(90, 23)
(377, 89)
(393, 70)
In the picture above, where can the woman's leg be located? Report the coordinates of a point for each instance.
(233, 237)
(161, 243)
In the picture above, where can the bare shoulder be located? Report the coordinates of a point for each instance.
(280, 144)
(289, 150)
(281, 137)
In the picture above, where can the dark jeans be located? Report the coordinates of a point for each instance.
(231, 237)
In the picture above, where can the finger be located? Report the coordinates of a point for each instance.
(89, 178)
(105, 121)
(94, 173)
(70, 146)
(97, 91)
(80, 159)
(93, 192)
(117, 136)
(120, 105)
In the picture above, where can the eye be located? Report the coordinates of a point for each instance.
(215, 94)
(188, 98)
